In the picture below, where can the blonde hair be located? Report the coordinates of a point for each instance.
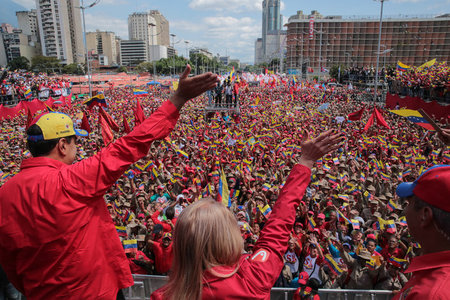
(206, 235)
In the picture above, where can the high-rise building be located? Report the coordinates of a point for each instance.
(142, 26)
(28, 23)
(104, 44)
(162, 28)
(354, 41)
(271, 43)
(60, 29)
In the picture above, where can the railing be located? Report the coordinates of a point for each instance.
(145, 285)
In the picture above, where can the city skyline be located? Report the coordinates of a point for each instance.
(231, 27)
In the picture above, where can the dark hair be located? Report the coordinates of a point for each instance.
(170, 212)
(42, 147)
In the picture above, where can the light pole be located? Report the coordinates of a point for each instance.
(85, 42)
(173, 54)
(187, 46)
(378, 52)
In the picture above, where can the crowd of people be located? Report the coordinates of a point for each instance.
(20, 85)
(350, 229)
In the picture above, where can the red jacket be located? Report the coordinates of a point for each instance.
(163, 257)
(257, 273)
(57, 237)
(430, 280)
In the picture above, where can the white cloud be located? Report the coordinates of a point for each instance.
(104, 23)
(185, 25)
(28, 4)
(227, 5)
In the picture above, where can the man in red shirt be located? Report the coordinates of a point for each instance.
(428, 215)
(57, 237)
(163, 254)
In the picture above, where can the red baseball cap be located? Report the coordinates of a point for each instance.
(303, 278)
(433, 187)
(321, 216)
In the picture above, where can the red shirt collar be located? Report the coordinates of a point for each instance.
(430, 261)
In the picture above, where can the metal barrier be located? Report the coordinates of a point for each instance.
(145, 285)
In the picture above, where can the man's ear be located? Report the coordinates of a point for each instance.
(426, 217)
(62, 146)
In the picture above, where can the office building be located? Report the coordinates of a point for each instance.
(156, 52)
(336, 40)
(60, 29)
(133, 52)
(104, 42)
(27, 21)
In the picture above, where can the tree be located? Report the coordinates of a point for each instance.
(334, 71)
(233, 64)
(19, 63)
(45, 64)
(73, 69)
(144, 67)
(122, 69)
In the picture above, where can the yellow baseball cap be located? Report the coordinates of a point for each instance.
(55, 125)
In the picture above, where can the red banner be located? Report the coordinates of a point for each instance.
(311, 27)
(433, 108)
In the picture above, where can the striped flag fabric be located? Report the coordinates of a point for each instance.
(398, 262)
(130, 246)
(266, 210)
(333, 265)
(121, 230)
(355, 224)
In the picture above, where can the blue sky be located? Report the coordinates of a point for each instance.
(231, 26)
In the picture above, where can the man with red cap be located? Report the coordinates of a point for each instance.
(428, 217)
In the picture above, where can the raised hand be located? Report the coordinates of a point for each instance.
(191, 87)
(313, 149)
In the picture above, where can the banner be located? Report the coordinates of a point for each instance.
(311, 27)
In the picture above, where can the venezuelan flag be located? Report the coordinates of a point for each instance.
(266, 210)
(344, 197)
(130, 246)
(398, 262)
(182, 153)
(266, 187)
(311, 223)
(138, 92)
(28, 94)
(390, 225)
(385, 176)
(402, 67)
(332, 264)
(121, 230)
(413, 116)
(355, 224)
(402, 221)
(391, 205)
(97, 100)
(371, 264)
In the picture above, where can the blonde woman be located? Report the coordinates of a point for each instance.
(208, 261)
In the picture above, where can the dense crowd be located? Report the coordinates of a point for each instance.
(19, 85)
(350, 230)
